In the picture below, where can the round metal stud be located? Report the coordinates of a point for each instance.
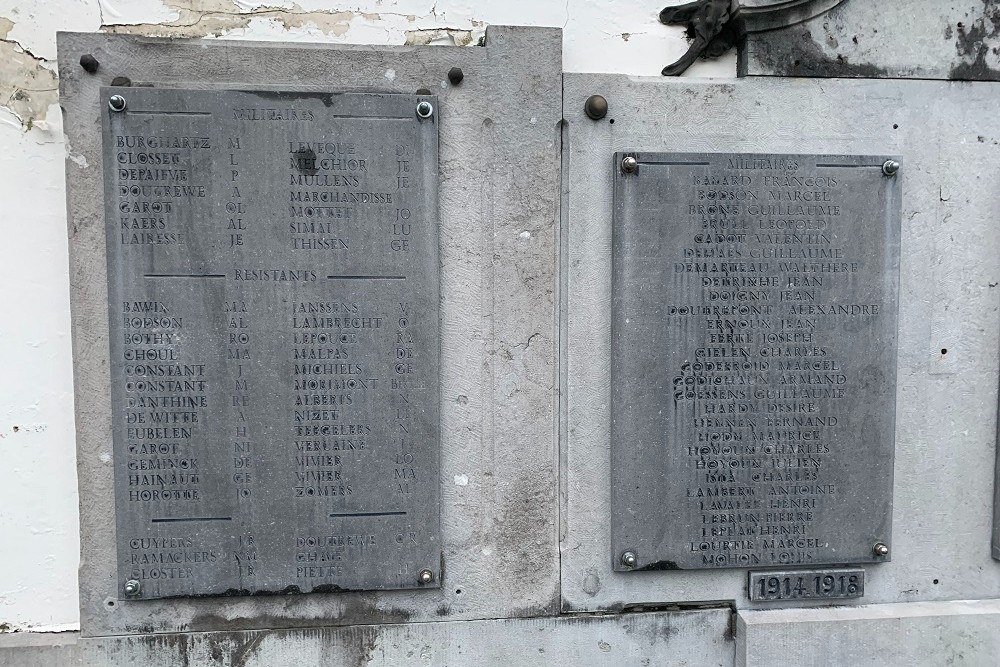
(596, 107)
(890, 167)
(425, 109)
(116, 103)
(132, 587)
(630, 165)
(880, 549)
(426, 576)
(455, 75)
(629, 559)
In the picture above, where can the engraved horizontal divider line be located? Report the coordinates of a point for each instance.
(366, 277)
(170, 113)
(192, 518)
(353, 514)
(849, 166)
(673, 163)
(184, 275)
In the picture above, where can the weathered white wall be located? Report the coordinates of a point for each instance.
(38, 501)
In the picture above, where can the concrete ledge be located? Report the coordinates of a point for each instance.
(962, 632)
(40, 649)
(661, 638)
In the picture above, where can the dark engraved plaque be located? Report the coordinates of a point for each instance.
(753, 359)
(273, 288)
(822, 584)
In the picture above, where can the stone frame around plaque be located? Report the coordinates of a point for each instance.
(938, 413)
(483, 255)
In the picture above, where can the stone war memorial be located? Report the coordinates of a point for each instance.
(488, 354)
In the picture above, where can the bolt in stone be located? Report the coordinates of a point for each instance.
(890, 167)
(880, 549)
(89, 63)
(425, 109)
(630, 165)
(596, 107)
(629, 559)
(455, 75)
(116, 103)
(426, 576)
(132, 587)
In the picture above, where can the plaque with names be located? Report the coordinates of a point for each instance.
(753, 366)
(273, 284)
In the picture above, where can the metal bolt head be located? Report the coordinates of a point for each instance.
(630, 165)
(116, 103)
(455, 75)
(89, 63)
(890, 167)
(629, 559)
(880, 549)
(425, 577)
(425, 109)
(596, 107)
(132, 587)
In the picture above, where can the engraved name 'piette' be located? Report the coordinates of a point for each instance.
(753, 359)
(273, 310)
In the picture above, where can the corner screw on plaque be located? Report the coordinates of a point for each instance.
(425, 109)
(132, 587)
(629, 559)
(880, 549)
(890, 167)
(116, 103)
(89, 63)
(426, 576)
(630, 165)
(455, 75)
(596, 107)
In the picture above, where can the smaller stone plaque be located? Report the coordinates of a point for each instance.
(753, 360)
(825, 584)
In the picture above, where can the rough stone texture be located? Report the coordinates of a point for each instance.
(499, 188)
(919, 633)
(946, 392)
(916, 39)
(701, 638)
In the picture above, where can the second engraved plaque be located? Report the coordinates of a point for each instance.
(753, 359)
(273, 304)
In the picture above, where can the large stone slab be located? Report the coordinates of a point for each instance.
(273, 300)
(498, 189)
(947, 137)
(703, 638)
(962, 632)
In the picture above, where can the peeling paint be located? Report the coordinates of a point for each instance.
(450, 36)
(27, 86)
(214, 18)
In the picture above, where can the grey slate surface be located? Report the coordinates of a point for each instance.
(753, 358)
(273, 278)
